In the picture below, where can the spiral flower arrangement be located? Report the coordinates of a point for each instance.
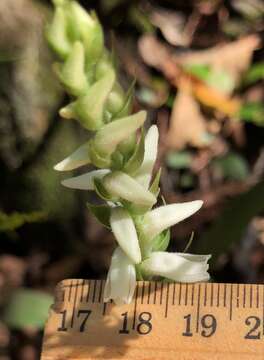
(123, 161)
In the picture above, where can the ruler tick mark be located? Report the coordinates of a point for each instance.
(244, 296)
(224, 295)
(82, 290)
(74, 305)
(155, 292)
(231, 302)
(198, 309)
(180, 291)
(149, 291)
(186, 295)
(167, 300)
(142, 292)
(135, 308)
(104, 308)
(250, 296)
(205, 294)
(100, 291)
(173, 295)
(94, 291)
(192, 294)
(161, 293)
(70, 292)
(257, 297)
(88, 290)
(218, 295)
(237, 296)
(212, 295)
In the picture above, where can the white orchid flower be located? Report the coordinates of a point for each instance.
(78, 158)
(121, 279)
(85, 181)
(125, 233)
(144, 173)
(126, 187)
(178, 267)
(163, 217)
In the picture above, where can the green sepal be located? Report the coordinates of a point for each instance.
(161, 242)
(72, 74)
(127, 147)
(135, 161)
(101, 213)
(115, 100)
(56, 34)
(117, 161)
(93, 40)
(154, 188)
(89, 109)
(102, 192)
(128, 103)
(99, 161)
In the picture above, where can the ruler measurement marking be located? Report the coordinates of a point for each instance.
(94, 290)
(192, 300)
(104, 308)
(250, 296)
(70, 292)
(244, 296)
(173, 294)
(237, 296)
(180, 291)
(100, 291)
(186, 295)
(82, 290)
(142, 293)
(149, 292)
(155, 292)
(218, 295)
(212, 295)
(74, 306)
(135, 308)
(161, 293)
(257, 297)
(231, 303)
(88, 290)
(167, 300)
(198, 309)
(205, 295)
(225, 295)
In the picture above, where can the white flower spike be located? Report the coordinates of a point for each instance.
(144, 174)
(178, 267)
(78, 158)
(85, 181)
(121, 279)
(163, 217)
(125, 233)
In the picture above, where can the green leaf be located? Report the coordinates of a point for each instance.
(161, 242)
(27, 308)
(252, 112)
(179, 159)
(232, 166)
(254, 74)
(135, 161)
(101, 213)
(230, 226)
(10, 222)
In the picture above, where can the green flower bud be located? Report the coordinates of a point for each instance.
(89, 108)
(116, 99)
(108, 137)
(79, 21)
(98, 160)
(103, 66)
(56, 34)
(72, 74)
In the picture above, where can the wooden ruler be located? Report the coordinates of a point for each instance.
(165, 321)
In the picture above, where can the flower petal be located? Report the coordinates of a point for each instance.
(121, 279)
(177, 266)
(124, 186)
(78, 158)
(144, 174)
(163, 217)
(125, 233)
(85, 181)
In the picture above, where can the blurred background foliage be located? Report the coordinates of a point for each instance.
(199, 69)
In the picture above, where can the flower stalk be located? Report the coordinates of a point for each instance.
(123, 166)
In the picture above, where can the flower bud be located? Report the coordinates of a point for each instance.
(79, 20)
(78, 158)
(56, 34)
(72, 74)
(115, 100)
(124, 186)
(89, 108)
(108, 137)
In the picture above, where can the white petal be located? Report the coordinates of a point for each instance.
(85, 181)
(125, 233)
(177, 266)
(144, 174)
(78, 158)
(121, 279)
(124, 186)
(163, 217)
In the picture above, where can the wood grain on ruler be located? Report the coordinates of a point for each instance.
(165, 321)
